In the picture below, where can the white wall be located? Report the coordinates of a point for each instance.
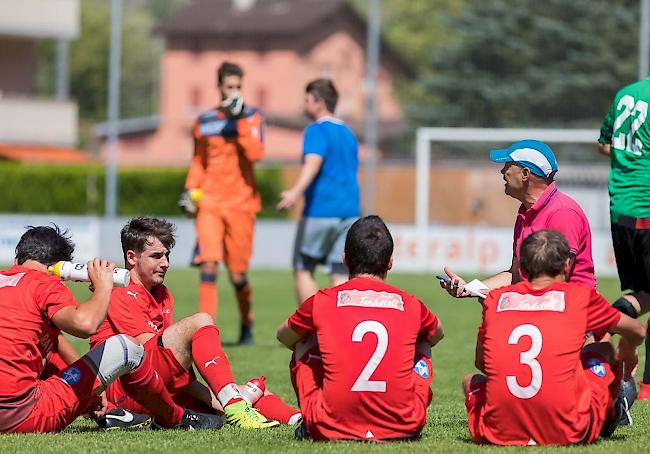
(466, 249)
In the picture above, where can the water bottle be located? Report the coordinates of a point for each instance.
(78, 272)
(253, 390)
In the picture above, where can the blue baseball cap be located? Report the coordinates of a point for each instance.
(536, 156)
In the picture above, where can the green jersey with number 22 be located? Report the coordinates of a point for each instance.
(627, 128)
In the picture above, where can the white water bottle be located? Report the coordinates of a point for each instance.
(78, 272)
(253, 390)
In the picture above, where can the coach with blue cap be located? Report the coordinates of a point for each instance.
(529, 168)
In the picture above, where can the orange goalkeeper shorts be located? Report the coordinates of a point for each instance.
(225, 235)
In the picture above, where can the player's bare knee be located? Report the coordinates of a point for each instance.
(116, 356)
(467, 379)
(472, 380)
(201, 319)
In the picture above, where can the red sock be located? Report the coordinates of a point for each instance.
(208, 299)
(244, 299)
(212, 363)
(272, 407)
(147, 388)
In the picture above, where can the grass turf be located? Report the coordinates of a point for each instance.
(273, 294)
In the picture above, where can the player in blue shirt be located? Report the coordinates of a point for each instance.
(328, 179)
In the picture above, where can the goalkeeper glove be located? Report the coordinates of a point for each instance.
(189, 200)
(233, 106)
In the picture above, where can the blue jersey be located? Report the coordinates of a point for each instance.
(334, 193)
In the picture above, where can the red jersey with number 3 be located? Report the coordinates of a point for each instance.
(536, 390)
(366, 331)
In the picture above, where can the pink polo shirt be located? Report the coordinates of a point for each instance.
(557, 211)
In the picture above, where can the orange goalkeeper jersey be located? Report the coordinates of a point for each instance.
(225, 150)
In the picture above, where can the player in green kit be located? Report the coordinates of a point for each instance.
(625, 138)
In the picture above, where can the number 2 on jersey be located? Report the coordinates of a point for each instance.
(363, 382)
(529, 359)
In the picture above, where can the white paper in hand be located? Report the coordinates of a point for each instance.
(476, 288)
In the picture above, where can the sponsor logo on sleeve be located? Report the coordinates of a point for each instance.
(71, 375)
(421, 368)
(370, 298)
(552, 301)
(596, 367)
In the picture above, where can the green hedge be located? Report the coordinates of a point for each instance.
(67, 189)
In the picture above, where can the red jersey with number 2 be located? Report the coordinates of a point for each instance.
(536, 390)
(366, 331)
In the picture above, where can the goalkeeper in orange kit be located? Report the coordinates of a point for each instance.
(221, 193)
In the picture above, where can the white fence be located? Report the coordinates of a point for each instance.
(466, 249)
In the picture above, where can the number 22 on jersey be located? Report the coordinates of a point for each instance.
(627, 140)
(528, 358)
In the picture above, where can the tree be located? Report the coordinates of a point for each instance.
(528, 63)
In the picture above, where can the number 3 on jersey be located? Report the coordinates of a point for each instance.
(529, 359)
(363, 382)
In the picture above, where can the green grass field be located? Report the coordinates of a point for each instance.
(446, 427)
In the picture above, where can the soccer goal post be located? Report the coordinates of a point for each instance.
(426, 136)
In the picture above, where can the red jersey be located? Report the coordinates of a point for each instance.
(225, 150)
(28, 300)
(134, 311)
(536, 388)
(367, 331)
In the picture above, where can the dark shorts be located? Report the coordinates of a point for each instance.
(631, 239)
(321, 241)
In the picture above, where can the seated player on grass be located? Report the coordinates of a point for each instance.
(35, 307)
(361, 367)
(144, 310)
(540, 383)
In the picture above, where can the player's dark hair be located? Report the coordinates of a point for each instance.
(228, 69)
(324, 89)
(135, 234)
(44, 244)
(368, 247)
(543, 253)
